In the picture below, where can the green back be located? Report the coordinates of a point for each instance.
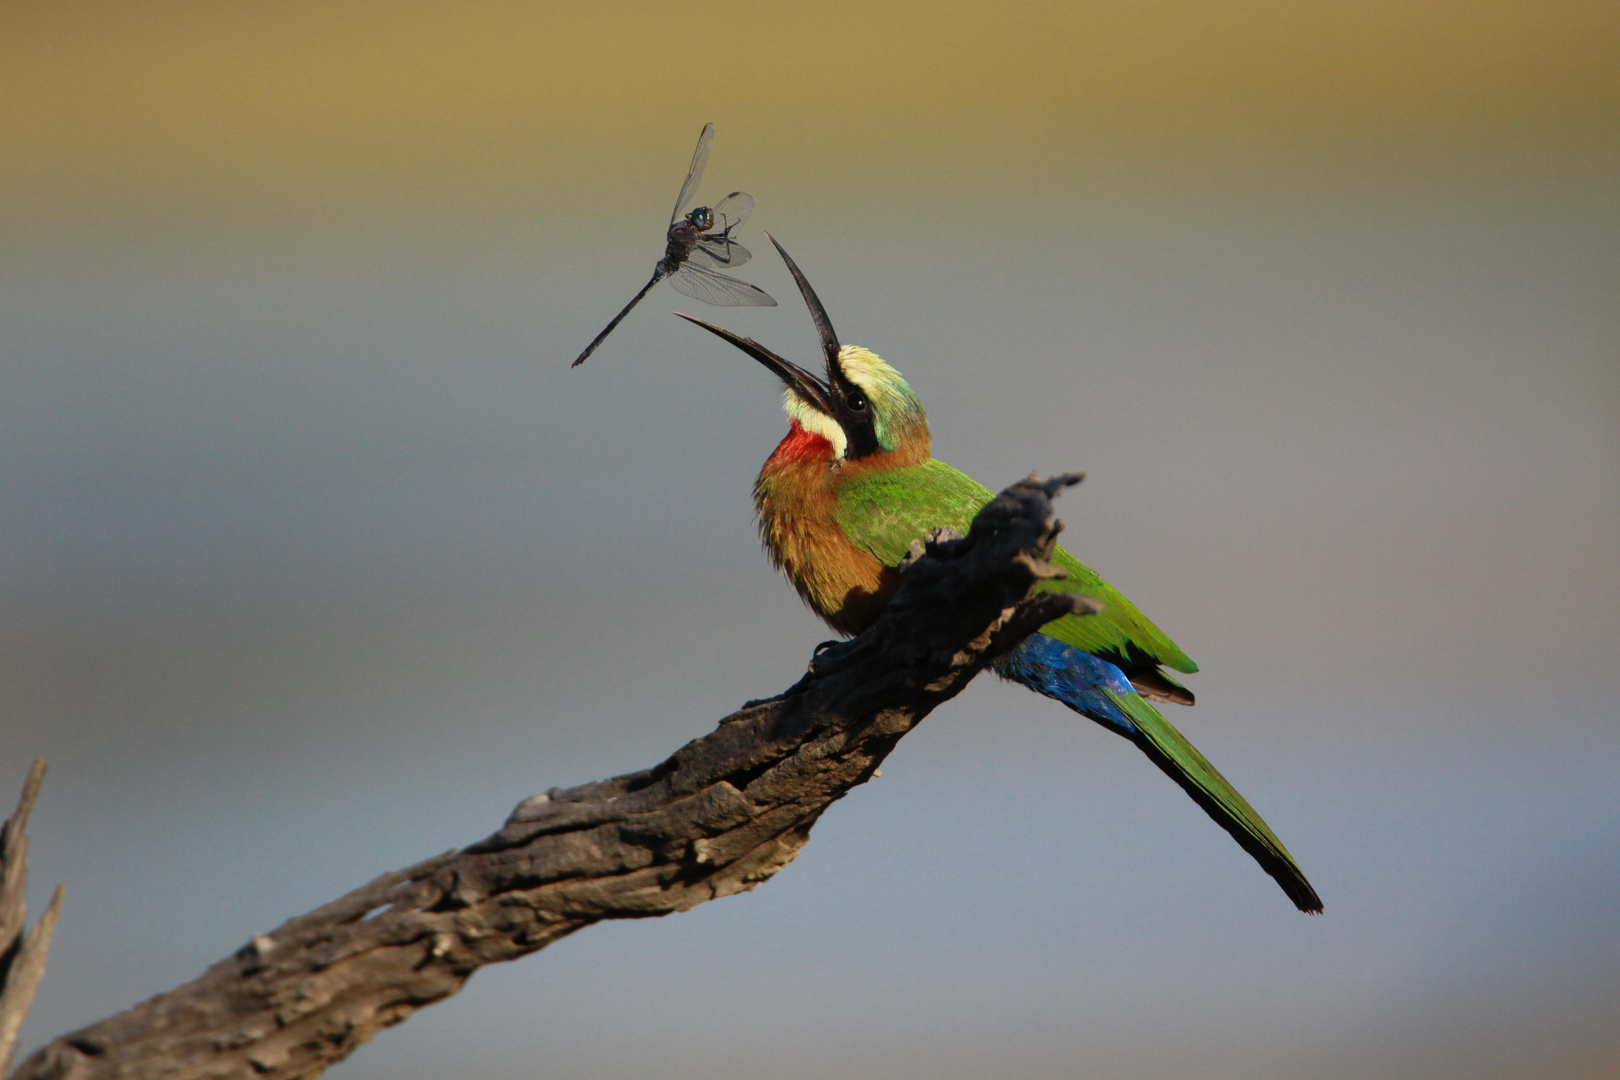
(884, 511)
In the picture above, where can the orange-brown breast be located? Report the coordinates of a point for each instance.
(797, 504)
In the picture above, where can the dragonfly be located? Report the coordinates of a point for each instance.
(700, 244)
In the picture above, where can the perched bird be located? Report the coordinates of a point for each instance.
(854, 482)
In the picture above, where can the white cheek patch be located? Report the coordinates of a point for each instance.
(816, 422)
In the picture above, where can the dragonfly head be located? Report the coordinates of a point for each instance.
(862, 406)
(702, 218)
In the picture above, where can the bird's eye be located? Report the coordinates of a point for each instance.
(855, 400)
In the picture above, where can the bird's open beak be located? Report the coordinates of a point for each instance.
(814, 392)
(818, 314)
(807, 386)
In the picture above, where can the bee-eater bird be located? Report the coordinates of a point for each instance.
(854, 482)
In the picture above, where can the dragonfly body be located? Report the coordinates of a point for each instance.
(703, 238)
(683, 237)
(698, 246)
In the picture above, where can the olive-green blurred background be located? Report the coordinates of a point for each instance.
(315, 557)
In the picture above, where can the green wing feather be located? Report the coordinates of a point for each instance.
(1181, 761)
(884, 512)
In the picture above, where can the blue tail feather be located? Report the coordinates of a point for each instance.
(1078, 679)
(1097, 689)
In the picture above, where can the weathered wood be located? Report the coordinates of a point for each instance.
(721, 815)
(22, 955)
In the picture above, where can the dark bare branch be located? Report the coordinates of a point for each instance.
(724, 813)
(14, 866)
(22, 955)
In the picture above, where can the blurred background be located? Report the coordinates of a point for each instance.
(315, 558)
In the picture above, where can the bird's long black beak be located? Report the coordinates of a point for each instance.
(806, 385)
(818, 314)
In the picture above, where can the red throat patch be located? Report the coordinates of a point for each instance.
(799, 447)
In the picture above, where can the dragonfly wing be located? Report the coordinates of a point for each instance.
(700, 158)
(715, 252)
(731, 211)
(718, 289)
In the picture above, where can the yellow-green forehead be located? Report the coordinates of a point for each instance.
(869, 371)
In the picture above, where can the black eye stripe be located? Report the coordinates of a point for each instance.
(857, 421)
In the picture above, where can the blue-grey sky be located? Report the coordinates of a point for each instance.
(316, 559)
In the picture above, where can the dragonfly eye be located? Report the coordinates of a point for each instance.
(856, 401)
(701, 217)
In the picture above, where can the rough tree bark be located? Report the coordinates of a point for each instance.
(721, 815)
(22, 954)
